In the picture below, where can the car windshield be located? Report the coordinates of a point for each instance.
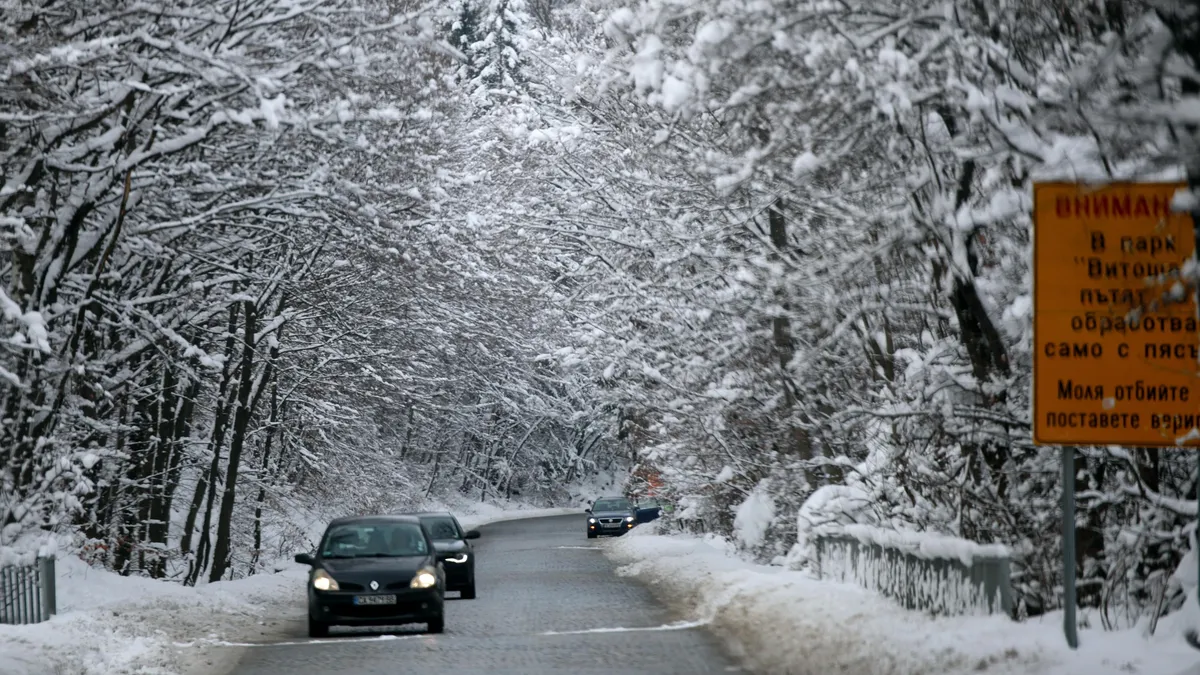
(611, 505)
(374, 540)
(441, 528)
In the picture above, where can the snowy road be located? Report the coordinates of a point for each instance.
(540, 581)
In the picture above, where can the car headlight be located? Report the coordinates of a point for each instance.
(629, 519)
(592, 521)
(460, 558)
(424, 579)
(323, 582)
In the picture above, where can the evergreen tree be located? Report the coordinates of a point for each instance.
(464, 33)
(496, 57)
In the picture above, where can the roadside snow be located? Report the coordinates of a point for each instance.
(754, 516)
(114, 625)
(109, 624)
(478, 514)
(783, 621)
(925, 545)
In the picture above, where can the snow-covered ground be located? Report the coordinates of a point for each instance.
(786, 622)
(113, 625)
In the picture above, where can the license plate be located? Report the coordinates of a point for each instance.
(611, 524)
(374, 599)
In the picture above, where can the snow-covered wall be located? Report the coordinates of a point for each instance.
(923, 571)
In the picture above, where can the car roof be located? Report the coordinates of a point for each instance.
(622, 498)
(380, 518)
(427, 514)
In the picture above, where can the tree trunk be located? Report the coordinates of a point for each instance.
(408, 429)
(800, 443)
(988, 356)
(241, 421)
(272, 426)
(141, 470)
(1090, 536)
(268, 375)
(157, 522)
(208, 481)
(180, 431)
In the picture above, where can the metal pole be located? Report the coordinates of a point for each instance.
(39, 610)
(49, 589)
(22, 574)
(1068, 547)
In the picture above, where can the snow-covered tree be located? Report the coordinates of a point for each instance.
(496, 54)
(806, 233)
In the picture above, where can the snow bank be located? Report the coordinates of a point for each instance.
(784, 621)
(486, 517)
(754, 516)
(110, 625)
(829, 505)
(473, 513)
(114, 625)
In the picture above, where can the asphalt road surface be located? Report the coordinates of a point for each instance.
(548, 602)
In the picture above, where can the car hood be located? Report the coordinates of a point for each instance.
(611, 514)
(383, 570)
(449, 545)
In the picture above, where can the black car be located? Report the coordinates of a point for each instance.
(454, 550)
(374, 571)
(611, 515)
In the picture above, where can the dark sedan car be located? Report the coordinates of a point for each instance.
(454, 550)
(611, 515)
(374, 571)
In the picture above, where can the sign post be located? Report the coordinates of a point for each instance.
(1070, 626)
(1116, 347)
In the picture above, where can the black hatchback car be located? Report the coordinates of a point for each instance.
(454, 549)
(374, 571)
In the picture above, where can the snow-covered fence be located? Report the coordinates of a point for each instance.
(926, 572)
(27, 592)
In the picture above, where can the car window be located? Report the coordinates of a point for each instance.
(441, 528)
(374, 540)
(610, 505)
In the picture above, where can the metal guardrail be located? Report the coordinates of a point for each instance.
(27, 592)
(942, 586)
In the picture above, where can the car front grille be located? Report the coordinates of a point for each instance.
(611, 521)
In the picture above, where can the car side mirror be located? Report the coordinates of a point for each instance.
(587, 510)
(472, 534)
(305, 559)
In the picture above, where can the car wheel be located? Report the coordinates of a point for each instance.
(468, 593)
(317, 629)
(437, 625)
(591, 535)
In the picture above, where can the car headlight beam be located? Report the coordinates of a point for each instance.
(460, 558)
(592, 521)
(323, 582)
(426, 578)
(629, 519)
